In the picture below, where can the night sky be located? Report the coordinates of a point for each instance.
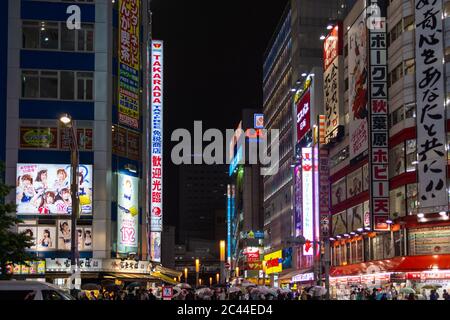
(213, 66)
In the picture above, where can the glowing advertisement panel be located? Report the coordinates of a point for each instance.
(127, 214)
(44, 189)
(129, 62)
(156, 146)
(307, 192)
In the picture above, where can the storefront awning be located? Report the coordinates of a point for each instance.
(289, 275)
(130, 276)
(399, 264)
(160, 276)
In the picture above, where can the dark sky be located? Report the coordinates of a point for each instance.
(213, 66)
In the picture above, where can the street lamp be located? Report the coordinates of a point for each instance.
(66, 121)
(222, 259)
(210, 281)
(217, 278)
(185, 274)
(237, 272)
(197, 270)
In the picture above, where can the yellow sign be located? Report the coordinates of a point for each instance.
(274, 262)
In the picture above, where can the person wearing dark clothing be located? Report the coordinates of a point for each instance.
(411, 296)
(434, 295)
(445, 295)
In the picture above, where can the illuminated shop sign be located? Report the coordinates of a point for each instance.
(307, 196)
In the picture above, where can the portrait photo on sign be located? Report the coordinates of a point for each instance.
(64, 234)
(46, 238)
(29, 231)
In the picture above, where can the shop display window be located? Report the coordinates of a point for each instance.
(411, 155)
(411, 198)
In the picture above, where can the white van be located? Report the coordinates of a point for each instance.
(31, 290)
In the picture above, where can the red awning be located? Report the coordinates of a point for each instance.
(399, 264)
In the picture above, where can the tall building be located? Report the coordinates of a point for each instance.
(95, 72)
(245, 214)
(398, 237)
(294, 50)
(201, 202)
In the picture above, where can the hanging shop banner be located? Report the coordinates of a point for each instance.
(324, 193)
(298, 201)
(156, 181)
(379, 131)
(333, 79)
(129, 62)
(44, 189)
(307, 197)
(38, 138)
(303, 115)
(357, 76)
(127, 214)
(430, 91)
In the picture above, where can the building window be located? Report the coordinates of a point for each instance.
(411, 198)
(395, 75)
(408, 23)
(55, 36)
(397, 160)
(410, 66)
(85, 85)
(411, 155)
(57, 85)
(397, 202)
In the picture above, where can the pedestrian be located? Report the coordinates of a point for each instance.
(445, 295)
(304, 295)
(353, 295)
(151, 296)
(434, 295)
(411, 296)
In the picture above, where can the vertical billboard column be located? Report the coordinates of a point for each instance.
(156, 159)
(378, 119)
(357, 92)
(431, 116)
(308, 204)
(129, 63)
(333, 82)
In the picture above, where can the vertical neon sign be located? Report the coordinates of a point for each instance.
(307, 190)
(156, 141)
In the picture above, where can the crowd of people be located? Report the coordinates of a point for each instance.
(393, 294)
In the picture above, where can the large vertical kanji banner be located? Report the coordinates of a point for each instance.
(431, 132)
(378, 119)
(129, 63)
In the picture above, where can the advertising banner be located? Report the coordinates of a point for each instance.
(155, 245)
(339, 223)
(156, 184)
(274, 262)
(127, 214)
(38, 138)
(303, 115)
(129, 63)
(378, 123)
(63, 265)
(307, 197)
(358, 91)
(324, 193)
(429, 241)
(431, 116)
(333, 79)
(44, 189)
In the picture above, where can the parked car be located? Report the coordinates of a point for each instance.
(31, 290)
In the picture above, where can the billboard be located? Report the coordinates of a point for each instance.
(431, 116)
(274, 262)
(156, 140)
(44, 189)
(127, 214)
(129, 63)
(358, 92)
(324, 193)
(155, 246)
(298, 200)
(41, 138)
(307, 197)
(303, 115)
